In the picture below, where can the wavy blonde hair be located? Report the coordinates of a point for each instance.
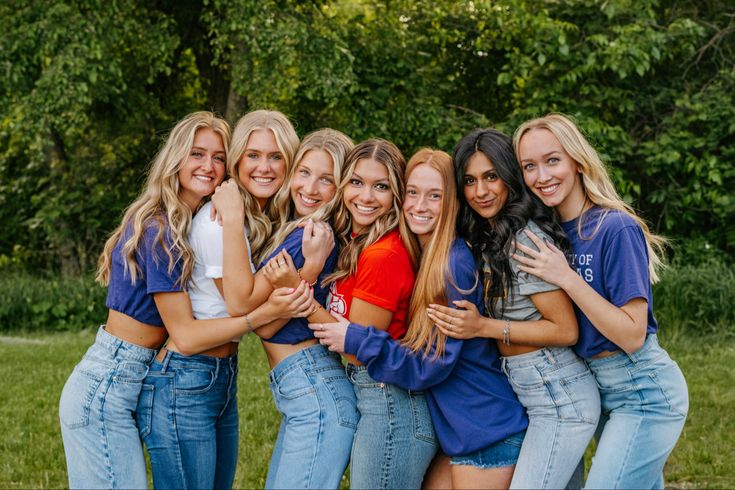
(387, 154)
(260, 221)
(434, 273)
(160, 203)
(337, 145)
(596, 183)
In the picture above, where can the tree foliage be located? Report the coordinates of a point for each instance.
(89, 88)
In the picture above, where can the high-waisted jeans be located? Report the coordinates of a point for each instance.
(563, 403)
(395, 440)
(319, 419)
(97, 412)
(187, 416)
(644, 405)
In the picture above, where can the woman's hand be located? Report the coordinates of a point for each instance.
(547, 263)
(317, 243)
(293, 303)
(227, 203)
(458, 324)
(281, 272)
(332, 335)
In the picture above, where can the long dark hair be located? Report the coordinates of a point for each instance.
(491, 240)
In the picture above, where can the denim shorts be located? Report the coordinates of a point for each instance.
(501, 454)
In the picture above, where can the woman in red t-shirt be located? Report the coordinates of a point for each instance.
(372, 285)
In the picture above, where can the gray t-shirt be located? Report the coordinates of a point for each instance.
(518, 305)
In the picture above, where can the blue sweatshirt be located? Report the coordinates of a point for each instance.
(472, 405)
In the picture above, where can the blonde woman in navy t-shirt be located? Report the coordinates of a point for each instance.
(614, 261)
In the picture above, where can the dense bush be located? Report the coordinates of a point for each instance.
(46, 303)
(691, 298)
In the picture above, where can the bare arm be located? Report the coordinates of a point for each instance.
(625, 325)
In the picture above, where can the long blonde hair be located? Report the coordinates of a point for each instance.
(160, 202)
(337, 145)
(260, 221)
(434, 273)
(387, 154)
(596, 183)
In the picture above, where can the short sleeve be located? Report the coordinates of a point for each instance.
(625, 266)
(157, 275)
(207, 245)
(528, 284)
(383, 278)
(465, 283)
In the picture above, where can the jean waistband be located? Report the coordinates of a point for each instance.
(551, 355)
(174, 359)
(118, 348)
(311, 356)
(649, 348)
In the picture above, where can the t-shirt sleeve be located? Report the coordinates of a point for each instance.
(292, 245)
(383, 277)
(157, 276)
(207, 245)
(528, 284)
(625, 266)
(465, 283)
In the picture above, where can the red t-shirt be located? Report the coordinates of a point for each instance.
(384, 278)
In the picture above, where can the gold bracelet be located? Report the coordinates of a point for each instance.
(298, 271)
(506, 333)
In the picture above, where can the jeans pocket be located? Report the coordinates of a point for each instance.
(344, 399)
(144, 411)
(193, 381)
(423, 428)
(525, 378)
(670, 381)
(293, 384)
(130, 372)
(77, 397)
(584, 396)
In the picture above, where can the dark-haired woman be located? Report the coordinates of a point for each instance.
(532, 320)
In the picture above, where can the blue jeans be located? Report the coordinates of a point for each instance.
(499, 455)
(395, 440)
(644, 406)
(187, 416)
(97, 412)
(319, 419)
(563, 403)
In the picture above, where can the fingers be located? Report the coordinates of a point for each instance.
(464, 304)
(523, 260)
(440, 315)
(541, 244)
(288, 260)
(308, 228)
(446, 310)
(526, 250)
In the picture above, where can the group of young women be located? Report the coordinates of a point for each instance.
(493, 308)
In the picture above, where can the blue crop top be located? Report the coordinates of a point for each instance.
(136, 300)
(297, 329)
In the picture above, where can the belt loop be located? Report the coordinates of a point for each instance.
(166, 359)
(309, 356)
(503, 366)
(549, 355)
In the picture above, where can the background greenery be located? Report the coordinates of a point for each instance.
(90, 87)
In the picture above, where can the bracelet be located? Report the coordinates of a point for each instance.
(247, 320)
(506, 332)
(298, 271)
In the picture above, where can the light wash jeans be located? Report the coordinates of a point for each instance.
(395, 440)
(187, 416)
(319, 419)
(563, 403)
(97, 412)
(644, 406)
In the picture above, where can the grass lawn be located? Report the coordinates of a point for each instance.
(34, 368)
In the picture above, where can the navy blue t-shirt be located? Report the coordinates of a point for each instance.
(297, 329)
(613, 259)
(471, 402)
(136, 300)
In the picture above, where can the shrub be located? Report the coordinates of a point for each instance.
(50, 303)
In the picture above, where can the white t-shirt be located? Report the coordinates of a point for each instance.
(206, 242)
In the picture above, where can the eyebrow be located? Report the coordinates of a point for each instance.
(194, 147)
(435, 189)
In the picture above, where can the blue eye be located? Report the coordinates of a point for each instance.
(553, 160)
(528, 167)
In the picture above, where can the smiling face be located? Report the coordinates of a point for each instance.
(262, 166)
(422, 206)
(367, 195)
(312, 183)
(203, 169)
(550, 172)
(483, 189)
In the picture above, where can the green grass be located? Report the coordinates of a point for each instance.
(34, 368)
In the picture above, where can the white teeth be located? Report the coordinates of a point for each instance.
(421, 218)
(365, 209)
(203, 178)
(549, 189)
(263, 180)
(307, 200)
